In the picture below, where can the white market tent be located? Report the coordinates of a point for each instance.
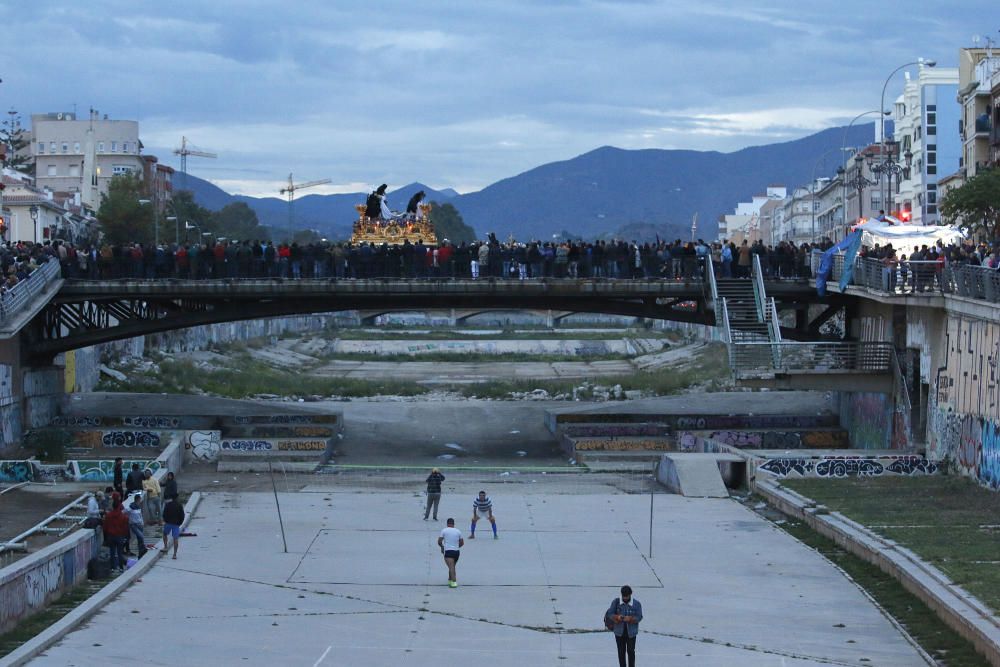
(904, 237)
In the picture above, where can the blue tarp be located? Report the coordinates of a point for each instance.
(850, 244)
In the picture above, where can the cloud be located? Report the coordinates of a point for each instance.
(460, 95)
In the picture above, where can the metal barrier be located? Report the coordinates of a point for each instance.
(14, 299)
(754, 358)
(920, 277)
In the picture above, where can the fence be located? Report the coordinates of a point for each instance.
(749, 359)
(918, 277)
(14, 299)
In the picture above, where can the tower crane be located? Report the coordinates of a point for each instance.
(290, 190)
(184, 151)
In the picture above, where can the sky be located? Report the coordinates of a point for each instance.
(462, 94)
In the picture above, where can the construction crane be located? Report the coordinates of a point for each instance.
(184, 151)
(290, 191)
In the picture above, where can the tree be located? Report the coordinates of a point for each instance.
(12, 136)
(448, 224)
(975, 206)
(238, 221)
(123, 219)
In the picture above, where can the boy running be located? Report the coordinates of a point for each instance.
(482, 506)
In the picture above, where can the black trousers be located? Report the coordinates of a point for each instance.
(625, 644)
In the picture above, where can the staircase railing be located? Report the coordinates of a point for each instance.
(759, 296)
(747, 359)
(712, 290)
(14, 299)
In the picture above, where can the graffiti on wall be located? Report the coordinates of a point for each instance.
(849, 466)
(285, 419)
(615, 430)
(622, 444)
(971, 444)
(247, 445)
(867, 417)
(302, 445)
(103, 470)
(203, 445)
(130, 439)
(73, 420)
(781, 439)
(707, 422)
(151, 422)
(16, 471)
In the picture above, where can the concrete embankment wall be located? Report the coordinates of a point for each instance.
(28, 585)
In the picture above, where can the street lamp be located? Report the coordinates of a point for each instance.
(33, 212)
(881, 106)
(858, 182)
(189, 225)
(177, 229)
(843, 147)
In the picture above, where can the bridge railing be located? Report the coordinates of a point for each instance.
(756, 359)
(13, 300)
(920, 277)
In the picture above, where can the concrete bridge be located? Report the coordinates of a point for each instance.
(80, 313)
(913, 371)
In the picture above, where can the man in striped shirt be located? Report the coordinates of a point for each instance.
(482, 506)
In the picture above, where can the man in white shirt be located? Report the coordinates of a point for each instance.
(450, 542)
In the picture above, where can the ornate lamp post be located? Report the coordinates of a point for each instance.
(858, 182)
(888, 167)
(33, 212)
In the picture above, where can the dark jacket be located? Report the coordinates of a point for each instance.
(173, 513)
(170, 489)
(434, 482)
(373, 207)
(134, 481)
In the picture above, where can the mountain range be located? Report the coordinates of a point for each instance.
(595, 194)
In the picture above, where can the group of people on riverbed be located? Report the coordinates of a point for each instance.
(123, 510)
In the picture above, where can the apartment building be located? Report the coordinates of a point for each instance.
(744, 222)
(73, 155)
(976, 71)
(926, 128)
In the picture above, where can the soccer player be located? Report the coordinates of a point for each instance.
(482, 506)
(450, 542)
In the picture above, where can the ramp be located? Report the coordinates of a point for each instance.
(694, 475)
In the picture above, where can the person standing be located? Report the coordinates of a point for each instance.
(115, 534)
(170, 488)
(136, 526)
(133, 481)
(433, 493)
(119, 476)
(482, 506)
(623, 616)
(151, 491)
(173, 519)
(450, 543)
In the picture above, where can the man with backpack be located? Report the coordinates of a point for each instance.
(623, 617)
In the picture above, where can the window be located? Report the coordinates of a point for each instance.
(65, 147)
(100, 146)
(931, 130)
(931, 197)
(51, 171)
(931, 158)
(876, 200)
(124, 147)
(931, 118)
(41, 148)
(114, 146)
(931, 170)
(932, 209)
(76, 147)
(74, 171)
(52, 147)
(121, 169)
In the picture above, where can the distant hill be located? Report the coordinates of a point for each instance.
(331, 215)
(595, 194)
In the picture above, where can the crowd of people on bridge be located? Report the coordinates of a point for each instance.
(491, 258)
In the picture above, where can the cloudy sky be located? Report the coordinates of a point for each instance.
(463, 94)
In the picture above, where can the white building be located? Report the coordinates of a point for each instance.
(927, 129)
(83, 155)
(744, 222)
